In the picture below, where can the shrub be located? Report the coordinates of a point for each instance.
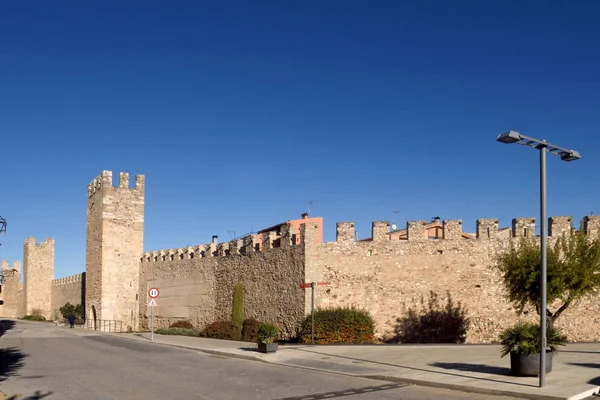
(182, 324)
(434, 324)
(221, 330)
(237, 313)
(250, 330)
(69, 309)
(524, 338)
(34, 318)
(267, 333)
(342, 325)
(178, 331)
(37, 312)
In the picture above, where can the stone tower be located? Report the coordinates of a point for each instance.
(114, 245)
(38, 273)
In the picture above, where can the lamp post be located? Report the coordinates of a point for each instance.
(565, 155)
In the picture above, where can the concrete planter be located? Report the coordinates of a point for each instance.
(267, 347)
(529, 365)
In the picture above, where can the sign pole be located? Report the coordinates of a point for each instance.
(152, 323)
(312, 310)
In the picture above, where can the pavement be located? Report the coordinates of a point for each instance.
(40, 361)
(468, 368)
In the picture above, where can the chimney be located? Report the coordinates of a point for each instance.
(215, 239)
(305, 216)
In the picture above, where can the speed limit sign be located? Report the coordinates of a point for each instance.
(153, 293)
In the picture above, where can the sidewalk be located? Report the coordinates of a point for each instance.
(470, 368)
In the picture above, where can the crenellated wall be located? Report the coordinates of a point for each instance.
(197, 283)
(12, 291)
(388, 277)
(70, 289)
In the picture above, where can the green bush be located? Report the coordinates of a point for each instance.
(341, 325)
(267, 333)
(182, 324)
(68, 309)
(250, 330)
(34, 318)
(524, 338)
(221, 330)
(237, 314)
(178, 331)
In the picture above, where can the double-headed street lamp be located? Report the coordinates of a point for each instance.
(565, 155)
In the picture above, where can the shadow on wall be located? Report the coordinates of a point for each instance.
(36, 396)
(433, 323)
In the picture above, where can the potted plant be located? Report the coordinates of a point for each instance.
(522, 342)
(267, 333)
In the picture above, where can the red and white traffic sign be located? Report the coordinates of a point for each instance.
(307, 284)
(153, 293)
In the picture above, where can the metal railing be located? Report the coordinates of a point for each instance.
(104, 325)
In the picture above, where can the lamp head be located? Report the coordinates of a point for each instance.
(570, 155)
(509, 137)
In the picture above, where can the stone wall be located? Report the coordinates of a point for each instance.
(388, 277)
(271, 280)
(12, 291)
(38, 272)
(115, 241)
(70, 289)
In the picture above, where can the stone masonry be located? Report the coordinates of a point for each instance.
(386, 277)
(38, 272)
(114, 244)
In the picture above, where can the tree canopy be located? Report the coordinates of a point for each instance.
(573, 272)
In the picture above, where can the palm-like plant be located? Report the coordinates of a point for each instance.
(524, 338)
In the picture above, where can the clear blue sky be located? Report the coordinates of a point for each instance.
(240, 114)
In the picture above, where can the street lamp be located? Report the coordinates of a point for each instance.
(565, 155)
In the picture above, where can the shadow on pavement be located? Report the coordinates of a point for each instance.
(485, 369)
(6, 325)
(429, 371)
(585, 365)
(36, 396)
(11, 359)
(346, 392)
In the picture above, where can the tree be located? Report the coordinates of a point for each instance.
(573, 272)
(237, 314)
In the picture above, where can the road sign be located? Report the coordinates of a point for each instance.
(152, 303)
(307, 284)
(304, 285)
(153, 293)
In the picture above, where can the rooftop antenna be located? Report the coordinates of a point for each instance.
(394, 227)
(310, 203)
(232, 233)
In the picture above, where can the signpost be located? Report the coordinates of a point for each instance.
(312, 285)
(153, 293)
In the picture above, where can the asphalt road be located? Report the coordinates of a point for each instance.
(45, 362)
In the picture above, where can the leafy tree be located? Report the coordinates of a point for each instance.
(573, 272)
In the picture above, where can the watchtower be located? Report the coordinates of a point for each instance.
(114, 245)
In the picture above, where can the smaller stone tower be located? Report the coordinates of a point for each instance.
(114, 246)
(38, 273)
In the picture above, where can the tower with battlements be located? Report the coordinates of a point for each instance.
(38, 273)
(114, 244)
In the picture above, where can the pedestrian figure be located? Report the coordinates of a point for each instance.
(71, 320)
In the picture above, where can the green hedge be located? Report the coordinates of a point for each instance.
(34, 318)
(221, 330)
(341, 325)
(178, 331)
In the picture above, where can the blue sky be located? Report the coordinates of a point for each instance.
(241, 114)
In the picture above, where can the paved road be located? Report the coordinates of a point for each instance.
(45, 362)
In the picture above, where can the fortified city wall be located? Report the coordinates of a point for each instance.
(70, 289)
(197, 283)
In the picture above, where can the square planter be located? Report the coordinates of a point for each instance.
(529, 365)
(267, 347)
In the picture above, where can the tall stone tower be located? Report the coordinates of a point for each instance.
(38, 273)
(114, 245)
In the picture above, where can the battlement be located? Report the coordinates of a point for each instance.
(31, 242)
(16, 265)
(105, 179)
(67, 280)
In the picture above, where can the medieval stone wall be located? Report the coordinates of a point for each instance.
(12, 291)
(38, 269)
(70, 289)
(389, 277)
(271, 279)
